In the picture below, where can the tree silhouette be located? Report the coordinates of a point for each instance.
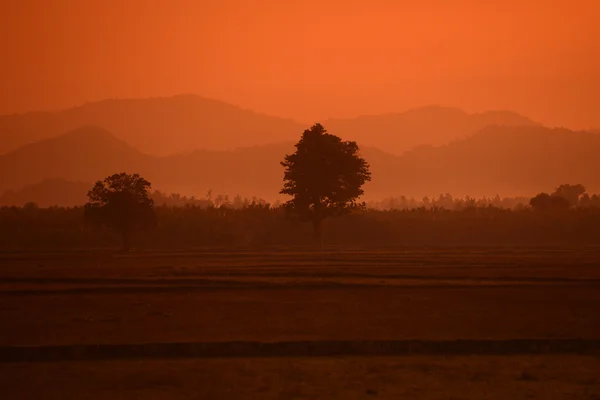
(544, 201)
(325, 177)
(122, 202)
(571, 193)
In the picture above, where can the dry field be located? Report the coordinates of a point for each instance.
(275, 295)
(405, 378)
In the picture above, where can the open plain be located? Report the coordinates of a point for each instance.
(348, 298)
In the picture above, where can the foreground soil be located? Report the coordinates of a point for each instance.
(95, 297)
(423, 378)
(91, 297)
(302, 314)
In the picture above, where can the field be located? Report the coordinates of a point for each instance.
(94, 297)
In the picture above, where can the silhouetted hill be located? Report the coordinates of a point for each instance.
(170, 125)
(498, 160)
(48, 193)
(86, 154)
(506, 160)
(160, 126)
(422, 126)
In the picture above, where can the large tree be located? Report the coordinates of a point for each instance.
(325, 177)
(122, 202)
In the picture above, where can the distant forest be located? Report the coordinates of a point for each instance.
(183, 222)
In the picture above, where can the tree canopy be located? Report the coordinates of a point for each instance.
(122, 202)
(324, 176)
(562, 198)
(572, 193)
(544, 201)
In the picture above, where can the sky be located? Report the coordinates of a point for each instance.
(308, 59)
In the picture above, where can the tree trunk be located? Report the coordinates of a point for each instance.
(318, 221)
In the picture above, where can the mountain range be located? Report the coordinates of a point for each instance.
(48, 193)
(171, 125)
(522, 160)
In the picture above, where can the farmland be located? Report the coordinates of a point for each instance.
(95, 297)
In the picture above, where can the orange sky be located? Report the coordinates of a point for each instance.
(308, 59)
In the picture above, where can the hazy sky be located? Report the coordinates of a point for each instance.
(308, 59)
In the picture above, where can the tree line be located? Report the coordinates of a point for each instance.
(23, 228)
(324, 178)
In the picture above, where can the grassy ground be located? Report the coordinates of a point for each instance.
(423, 378)
(302, 314)
(278, 295)
(288, 295)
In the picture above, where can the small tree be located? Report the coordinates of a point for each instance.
(122, 202)
(325, 177)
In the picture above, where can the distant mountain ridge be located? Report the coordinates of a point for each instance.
(170, 125)
(400, 132)
(497, 160)
(48, 193)
(78, 155)
(161, 126)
